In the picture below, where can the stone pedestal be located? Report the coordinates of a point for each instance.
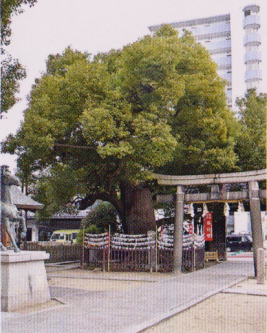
(23, 279)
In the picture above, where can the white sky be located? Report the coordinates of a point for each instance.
(98, 26)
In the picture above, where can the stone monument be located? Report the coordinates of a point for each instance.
(9, 212)
(23, 275)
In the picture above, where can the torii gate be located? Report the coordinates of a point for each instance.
(253, 195)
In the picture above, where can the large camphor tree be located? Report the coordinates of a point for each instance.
(99, 128)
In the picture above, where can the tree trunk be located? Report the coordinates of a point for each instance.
(138, 211)
(135, 208)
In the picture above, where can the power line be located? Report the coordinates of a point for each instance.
(72, 146)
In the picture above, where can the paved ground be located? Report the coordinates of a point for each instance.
(241, 308)
(96, 302)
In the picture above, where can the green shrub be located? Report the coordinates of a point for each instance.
(92, 229)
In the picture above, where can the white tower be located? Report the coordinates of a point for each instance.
(252, 41)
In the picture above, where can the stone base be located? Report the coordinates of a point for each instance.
(23, 279)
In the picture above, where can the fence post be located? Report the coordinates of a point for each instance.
(83, 251)
(152, 237)
(150, 259)
(194, 255)
(194, 258)
(104, 259)
(156, 250)
(108, 247)
(65, 252)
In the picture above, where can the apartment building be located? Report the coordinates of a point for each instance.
(214, 33)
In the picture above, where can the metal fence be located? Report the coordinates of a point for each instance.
(134, 260)
(141, 252)
(153, 259)
(119, 252)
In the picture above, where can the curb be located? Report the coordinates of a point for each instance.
(245, 292)
(100, 278)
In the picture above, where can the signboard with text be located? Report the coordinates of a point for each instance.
(208, 227)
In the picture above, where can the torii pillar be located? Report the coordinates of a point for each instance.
(256, 224)
(178, 230)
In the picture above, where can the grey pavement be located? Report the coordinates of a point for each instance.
(155, 298)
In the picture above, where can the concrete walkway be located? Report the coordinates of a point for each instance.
(148, 299)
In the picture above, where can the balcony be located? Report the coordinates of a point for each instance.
(223, 62)
(212, 31)
(253, 56)
(253, 75)
(218, 45)
(252, 38)
(251, 20)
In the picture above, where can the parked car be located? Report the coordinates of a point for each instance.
(65, 235)
(237, 242)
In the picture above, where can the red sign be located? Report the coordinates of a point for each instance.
(208, 227)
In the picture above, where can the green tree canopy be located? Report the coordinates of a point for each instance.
(251, 137)
(9, 8)
(11, 70)
(202, 123)
(116, 118)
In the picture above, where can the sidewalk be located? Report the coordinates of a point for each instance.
(98, 302)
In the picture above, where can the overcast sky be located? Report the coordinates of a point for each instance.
(98, 26)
